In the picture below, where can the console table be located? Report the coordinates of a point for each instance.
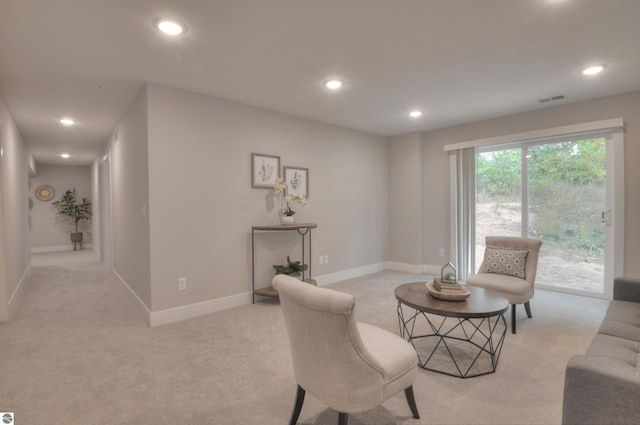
(302, 229)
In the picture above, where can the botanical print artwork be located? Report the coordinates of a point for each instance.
(296, 181)
(266, 171)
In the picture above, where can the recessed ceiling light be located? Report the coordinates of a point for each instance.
(65, 155)
(333, 84)
(169, 26)
(67, 121)
(415, 114)
(593, 70)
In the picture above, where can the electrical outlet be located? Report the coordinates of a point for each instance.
(442, 252)
(182, 284)
(321, 260)
(326, 259)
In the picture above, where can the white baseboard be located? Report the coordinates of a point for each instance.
(414, 268)
(190, 311)
(404, 267)
(349, 274)
(56, 248)
(185, 312)
(135, 300)
(18, 293)
(430, 269)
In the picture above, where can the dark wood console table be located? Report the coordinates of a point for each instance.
(302, 229)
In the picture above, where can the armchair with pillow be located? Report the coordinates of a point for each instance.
(509, 269)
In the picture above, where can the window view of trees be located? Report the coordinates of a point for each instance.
(566, 195)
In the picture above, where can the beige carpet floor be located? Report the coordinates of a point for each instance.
(77, 352)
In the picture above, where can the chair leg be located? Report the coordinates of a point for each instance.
(343, 418)
(528, 308)
(298, 406)
(408, 392)
(513, 319)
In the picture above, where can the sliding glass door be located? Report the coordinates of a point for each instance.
(553, 191)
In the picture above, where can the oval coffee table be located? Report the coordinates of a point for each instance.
(457, 338)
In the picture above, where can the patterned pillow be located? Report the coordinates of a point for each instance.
(504, 261)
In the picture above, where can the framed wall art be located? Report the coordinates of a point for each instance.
(297, 180)
(265, 169)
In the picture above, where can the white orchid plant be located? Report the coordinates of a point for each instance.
(280, 186)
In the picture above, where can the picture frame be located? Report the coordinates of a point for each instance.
(297, 180)
(265, 169)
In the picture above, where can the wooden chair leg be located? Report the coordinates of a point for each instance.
(408, 392)
(528, 308)
(298, 406)
(513, 319)
(343, 418)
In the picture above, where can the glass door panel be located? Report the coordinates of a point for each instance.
(560, 201)
(498, 197)
(567, 196)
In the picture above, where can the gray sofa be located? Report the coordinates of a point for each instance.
(603, 385)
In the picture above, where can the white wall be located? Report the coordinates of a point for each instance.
(406, 202)
(15, 254)
(436, 178)
(202, 206)
(50, 232)
(96, 218)
(130, 189)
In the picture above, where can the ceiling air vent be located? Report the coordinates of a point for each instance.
(552, 98)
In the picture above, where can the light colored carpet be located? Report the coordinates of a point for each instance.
(78, 353)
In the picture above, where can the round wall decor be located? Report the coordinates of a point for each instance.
(45, 193)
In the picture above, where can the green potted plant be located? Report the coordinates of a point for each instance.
(293, 268)
(68, 206)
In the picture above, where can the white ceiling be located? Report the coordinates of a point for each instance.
(457, 60)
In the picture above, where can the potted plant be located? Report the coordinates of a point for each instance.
(280, 186)
(68, 206)
(293, 268)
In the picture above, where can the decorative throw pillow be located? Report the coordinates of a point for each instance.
(504, 261)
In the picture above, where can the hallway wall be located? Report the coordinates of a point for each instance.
(15, 253)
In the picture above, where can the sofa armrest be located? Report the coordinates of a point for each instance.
(599, 392)
(626, 289)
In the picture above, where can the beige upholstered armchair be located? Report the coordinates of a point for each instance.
(509, 269)
(351, 367)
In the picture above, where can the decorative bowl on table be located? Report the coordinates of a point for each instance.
(461, 294)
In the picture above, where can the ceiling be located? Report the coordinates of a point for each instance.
(456, 60)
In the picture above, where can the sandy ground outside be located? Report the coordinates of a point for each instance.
(556, 267)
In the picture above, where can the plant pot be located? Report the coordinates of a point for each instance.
(76, 238)
(287, 219)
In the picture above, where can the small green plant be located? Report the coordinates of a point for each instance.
(68, 206)
(293, 268)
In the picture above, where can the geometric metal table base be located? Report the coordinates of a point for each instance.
(460, 347)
